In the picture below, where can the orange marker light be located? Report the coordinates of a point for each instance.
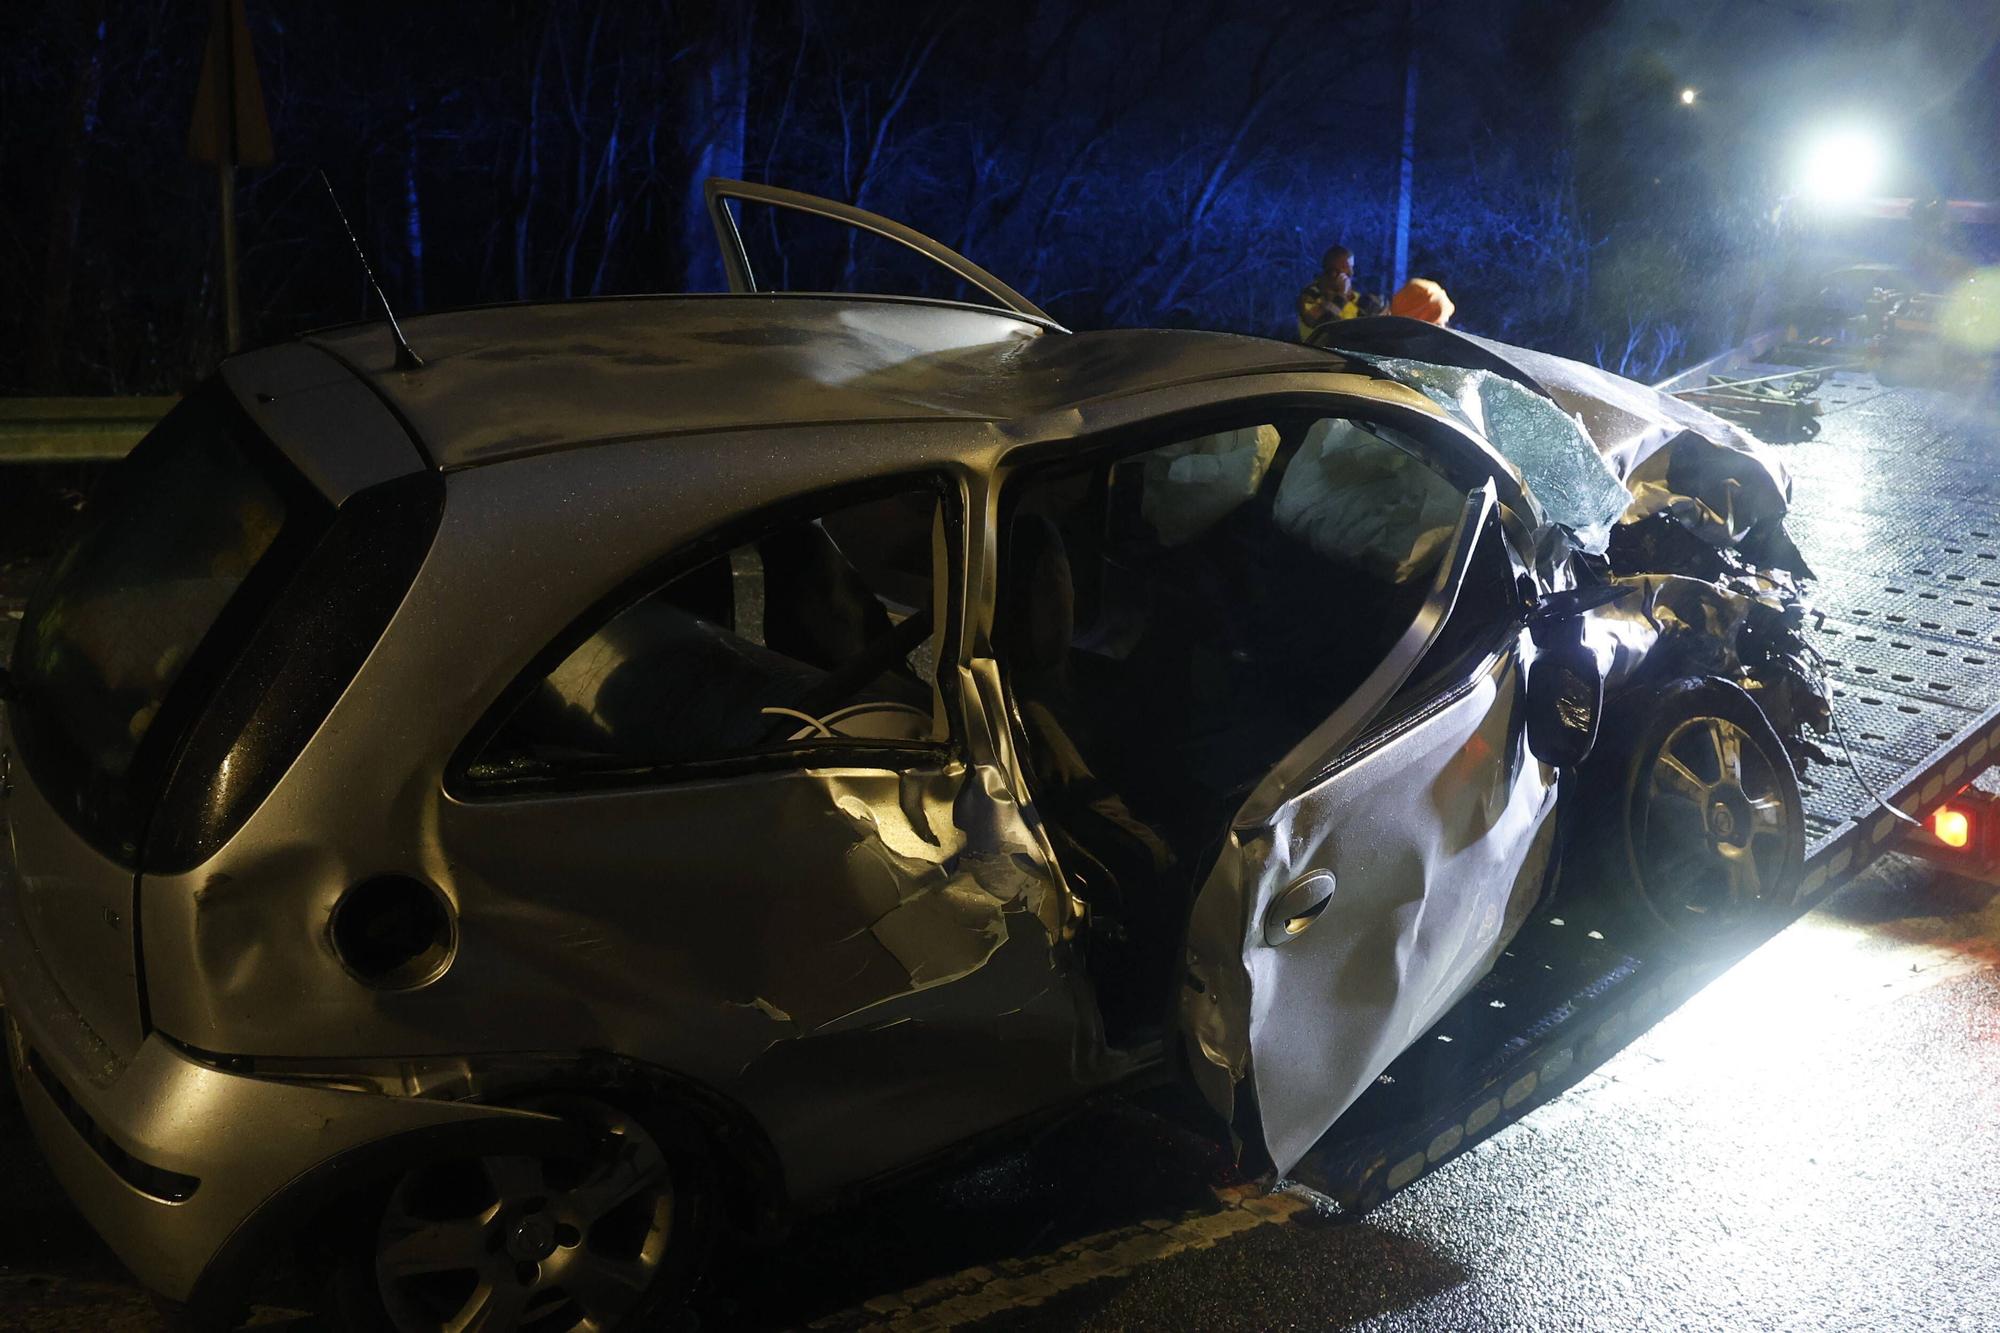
(1952, 827)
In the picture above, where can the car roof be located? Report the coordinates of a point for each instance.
(505, 381)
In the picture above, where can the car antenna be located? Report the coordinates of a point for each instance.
(406, 357)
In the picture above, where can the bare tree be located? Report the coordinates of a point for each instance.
(714, 85)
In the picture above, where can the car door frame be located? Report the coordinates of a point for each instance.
(1131, 425)
(717, 191)
(718, 540)
(1217, 996)
(1277, 875)
(1127, 426)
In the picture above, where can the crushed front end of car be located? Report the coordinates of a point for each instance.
(1714, 585)
(1676, 514)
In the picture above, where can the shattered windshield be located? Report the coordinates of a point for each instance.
(1563, 470)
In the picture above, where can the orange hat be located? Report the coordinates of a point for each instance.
(1422, 299)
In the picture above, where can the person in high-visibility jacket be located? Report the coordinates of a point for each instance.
(1331, 296)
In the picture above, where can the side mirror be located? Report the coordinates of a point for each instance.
(1565, 699)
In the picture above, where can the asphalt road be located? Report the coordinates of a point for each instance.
(1811, 1142)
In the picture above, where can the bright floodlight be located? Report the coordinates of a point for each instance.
(1687, 96)
(1840, 165)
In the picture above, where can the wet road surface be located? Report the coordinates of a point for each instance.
(1811, 1142)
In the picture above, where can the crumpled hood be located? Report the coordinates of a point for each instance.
(1568, 481)
(1716, 478)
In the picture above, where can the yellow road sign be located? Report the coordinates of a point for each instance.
(229, 125)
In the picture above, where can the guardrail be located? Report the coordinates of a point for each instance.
(75, 430)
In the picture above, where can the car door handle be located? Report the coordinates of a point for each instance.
(1298, 907)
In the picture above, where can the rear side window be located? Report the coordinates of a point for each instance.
(177, 542)
(817, 634)
(300, 658)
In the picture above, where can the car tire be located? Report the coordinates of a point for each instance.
(1695, 833)
(614, 1241)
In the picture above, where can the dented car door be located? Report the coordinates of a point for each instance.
(1373, 876)
(801, 882)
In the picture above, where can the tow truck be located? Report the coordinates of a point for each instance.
(1897, 507)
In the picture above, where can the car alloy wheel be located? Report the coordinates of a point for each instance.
(529, 1242)
(1715, 829)
(1692, 831)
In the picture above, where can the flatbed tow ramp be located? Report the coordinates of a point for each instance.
(1896, 506)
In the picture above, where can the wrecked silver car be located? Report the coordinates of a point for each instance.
(665, 762)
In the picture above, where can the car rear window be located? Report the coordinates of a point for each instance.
(181, 537)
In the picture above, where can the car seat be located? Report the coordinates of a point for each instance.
(1116, 862)
(1069, 756)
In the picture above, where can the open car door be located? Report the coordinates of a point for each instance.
(736, 256)
(1363, 888)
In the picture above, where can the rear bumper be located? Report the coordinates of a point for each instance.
(176, 1164)
(182, 1167)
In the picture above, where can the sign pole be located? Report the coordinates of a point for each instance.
(232, 310)
(222, 35)
(229, 130)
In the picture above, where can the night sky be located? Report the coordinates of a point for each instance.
(1122, 163)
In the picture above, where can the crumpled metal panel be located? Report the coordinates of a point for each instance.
(508, 381)
(1744, 627)
(1702, 618)
(828, 949)
(1437, 843)
(1725, 480)
(1563, 470)
(1716, 492)
(817, 945)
